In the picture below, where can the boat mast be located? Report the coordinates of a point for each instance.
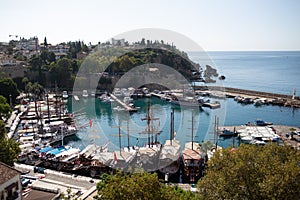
(172, 126)
(149, 119)
(128, 136)
(48, 109)
(192, 130)
(62, 136)
(119, 136)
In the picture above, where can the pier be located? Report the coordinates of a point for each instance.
(277, 99)
(161, 96)
(124, 105)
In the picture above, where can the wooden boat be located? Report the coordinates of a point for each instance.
(192, 162)
(169, 159)
(192, 159)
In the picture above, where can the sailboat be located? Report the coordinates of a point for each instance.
(192, 159)
(169, 159)
(148, 156)
(120, 159)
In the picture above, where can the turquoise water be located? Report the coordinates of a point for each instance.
(277, 72)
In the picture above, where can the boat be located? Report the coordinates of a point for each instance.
(247, 139)
(65, 94)
(260, 122)
(127, 100)
(85, 93)
(118, 108)
(192, 159)
(185, 102)
(227, 133)
(192, 162)
(117, 92)
(148, 156)
(169, 159)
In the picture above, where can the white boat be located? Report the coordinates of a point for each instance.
(117, 92)
(118, 108)
(127, 100)
(85, 93)
(247, 139)
(169, 159)
(65, 94)
(148, 156)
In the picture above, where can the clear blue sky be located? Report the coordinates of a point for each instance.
(214, 25)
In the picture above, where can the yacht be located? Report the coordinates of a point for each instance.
(85, 93)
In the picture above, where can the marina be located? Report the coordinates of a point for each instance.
(43, 142)
(42, 128)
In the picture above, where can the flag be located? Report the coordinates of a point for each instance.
(91, 122)
(115, 158)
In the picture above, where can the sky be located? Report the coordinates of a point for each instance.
(212, 24)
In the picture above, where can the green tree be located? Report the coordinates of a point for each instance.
(2, 130)
(37, 90)
(138, 186)
(35, 63)
(25, 81)
(9, 89)
(45, 42)
(9, 148)
(61, 72)
(51, 57)
(5, 109)
(251, 172)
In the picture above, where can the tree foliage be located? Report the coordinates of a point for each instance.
(138, 186)
(9, 87)
(61, 72)
(251, 172)
(9, 148)
(5, 109)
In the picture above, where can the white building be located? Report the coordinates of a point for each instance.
(10, 183)
(116, 42)
(31, 44)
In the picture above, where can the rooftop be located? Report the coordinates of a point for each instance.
(7, 172)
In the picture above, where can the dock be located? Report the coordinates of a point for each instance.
(126, 107)
(275, 98)
(161, 96)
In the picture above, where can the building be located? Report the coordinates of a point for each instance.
(120, 42)
(6, 60)
(10, 183)
(31, 44)
(59, 50)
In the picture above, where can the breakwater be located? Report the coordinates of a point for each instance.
(274, 98)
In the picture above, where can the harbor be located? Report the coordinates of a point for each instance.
(44, 126)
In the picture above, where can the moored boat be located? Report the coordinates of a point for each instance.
(192, 162)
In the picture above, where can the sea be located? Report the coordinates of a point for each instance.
(269, 71)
